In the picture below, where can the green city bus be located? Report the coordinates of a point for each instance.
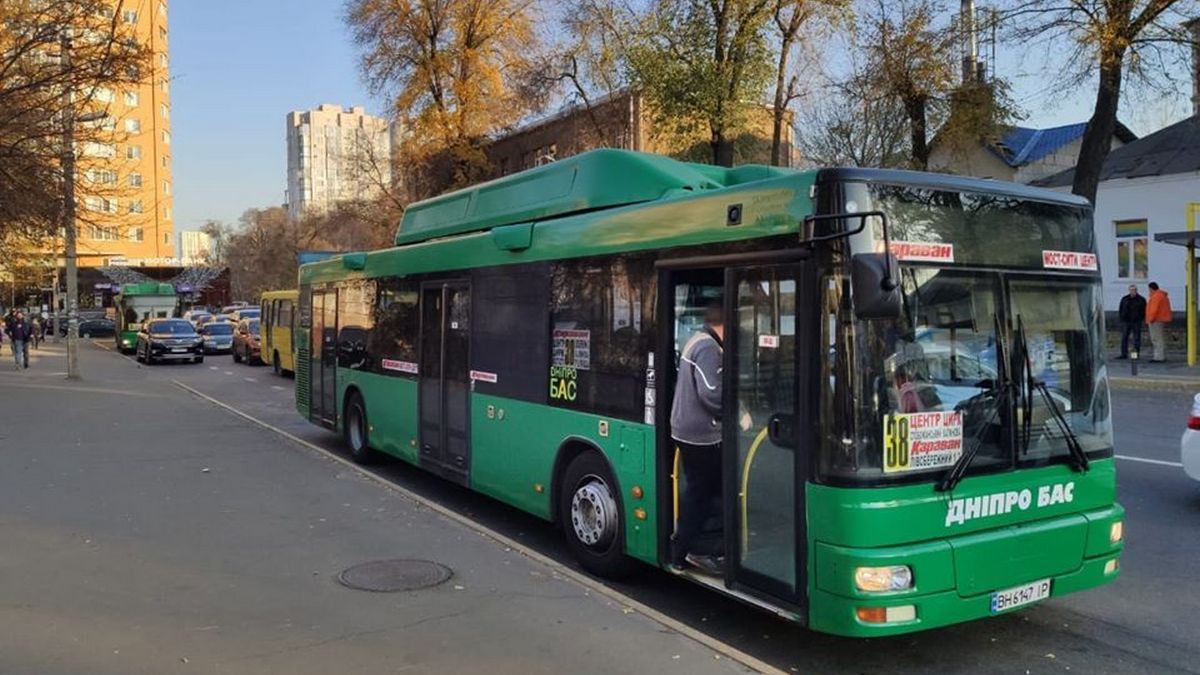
(137, 303)
(919, 358)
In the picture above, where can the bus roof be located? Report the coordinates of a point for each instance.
(147, 288)
(952, 183)
(590, 181)
(290, 294)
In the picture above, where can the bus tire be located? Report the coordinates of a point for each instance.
(355, 429)
(275, 364)
(589, 509)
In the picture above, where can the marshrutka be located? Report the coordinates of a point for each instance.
(916, 359)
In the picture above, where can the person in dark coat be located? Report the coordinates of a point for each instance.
(1132, 314)
(20, 332)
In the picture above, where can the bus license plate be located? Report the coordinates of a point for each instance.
(1020, 596)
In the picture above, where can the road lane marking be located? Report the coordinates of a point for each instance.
(229, 372)
(249, 379)
(578, 577)
(275, 386)
(213, 368)
(1147, 460)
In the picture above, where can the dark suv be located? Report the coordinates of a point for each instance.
(169, 340)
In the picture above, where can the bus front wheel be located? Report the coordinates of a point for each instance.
(355, 430)
(589, 510)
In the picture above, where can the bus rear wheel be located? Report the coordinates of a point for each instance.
(355, 430)
(589, 510)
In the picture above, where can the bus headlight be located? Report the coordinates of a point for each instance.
(881, 579)
(1116, 532)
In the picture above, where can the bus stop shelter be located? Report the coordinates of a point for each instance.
(1187, 238)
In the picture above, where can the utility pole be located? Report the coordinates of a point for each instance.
(68, 169)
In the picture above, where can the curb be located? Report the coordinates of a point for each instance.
(1190, 386)
(579, 578)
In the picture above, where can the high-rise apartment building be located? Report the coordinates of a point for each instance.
(335, 155)
(125, 181)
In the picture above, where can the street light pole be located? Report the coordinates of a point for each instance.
(68, 169)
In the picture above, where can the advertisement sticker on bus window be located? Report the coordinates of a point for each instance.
(919, 441)
(564, 385)
(1069, 260)
(572, 348)
(399, 366)
(768, 341)
(923, 251)
(481, 376)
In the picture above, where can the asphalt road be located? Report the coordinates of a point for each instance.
(1146, 622)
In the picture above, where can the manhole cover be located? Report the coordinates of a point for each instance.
(387, 576)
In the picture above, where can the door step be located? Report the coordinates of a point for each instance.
(718, 585)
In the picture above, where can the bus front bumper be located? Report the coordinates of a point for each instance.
(945, 591)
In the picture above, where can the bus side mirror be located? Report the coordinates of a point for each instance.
(875, 286)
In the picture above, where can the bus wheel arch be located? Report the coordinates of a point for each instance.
(356, 426)
(585, 488)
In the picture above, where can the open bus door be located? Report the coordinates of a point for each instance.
(764, 464)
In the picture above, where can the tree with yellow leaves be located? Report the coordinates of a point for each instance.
(454, 68)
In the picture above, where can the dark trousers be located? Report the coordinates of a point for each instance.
(700, 501)
(1127, 329)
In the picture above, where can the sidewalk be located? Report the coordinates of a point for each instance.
(1173, 375)
(146, 531)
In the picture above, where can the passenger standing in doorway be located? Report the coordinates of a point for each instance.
(696, 429)
(1158, 315)
(1132, 314)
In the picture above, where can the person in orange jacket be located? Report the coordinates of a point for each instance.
(1158, 315)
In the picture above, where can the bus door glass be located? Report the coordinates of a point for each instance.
(760, 427)
(324, 356)
(445, 377)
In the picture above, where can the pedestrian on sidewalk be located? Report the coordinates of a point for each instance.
(19, 331)
(1132, 314)
(1158, 315)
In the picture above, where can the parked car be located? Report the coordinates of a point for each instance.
(97, 328)
(1189, 445)
(169, 340)
(246, 313)
(246, 345)
(218, 337)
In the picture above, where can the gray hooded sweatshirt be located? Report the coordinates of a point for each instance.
(696, 411)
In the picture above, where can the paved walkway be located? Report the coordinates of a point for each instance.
(147, 531)
(1173, 375)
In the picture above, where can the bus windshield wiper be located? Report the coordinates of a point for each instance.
(1079, 459)
(1003, 399)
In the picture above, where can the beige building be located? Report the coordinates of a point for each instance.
(1022, 155)
(194, 247)
(335, 155)
(125, 184)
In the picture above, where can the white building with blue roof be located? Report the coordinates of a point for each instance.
(1022, 155)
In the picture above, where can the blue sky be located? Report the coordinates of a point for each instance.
(239, 66)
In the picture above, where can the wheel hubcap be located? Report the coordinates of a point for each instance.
(594, 512)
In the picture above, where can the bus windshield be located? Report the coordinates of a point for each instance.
(922, 389)
(139, 309)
